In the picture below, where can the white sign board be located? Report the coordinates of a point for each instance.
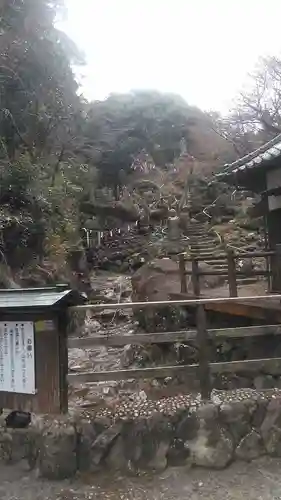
(17, 364)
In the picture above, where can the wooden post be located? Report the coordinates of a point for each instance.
(231, 270)
(63, 361)
(277, 269)
(195, 277)
(202, 338)
(182, 273)
(265, 233)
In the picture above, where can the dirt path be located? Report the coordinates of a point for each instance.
(259, 480)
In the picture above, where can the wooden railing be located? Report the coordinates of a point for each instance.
(230, 257)
(201, 334)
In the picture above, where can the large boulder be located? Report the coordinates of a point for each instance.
(213, 446)
(159, 280)
(117, 210)
(271, 428)
(143, 444)
(57, 457)
(250, 447)
(238, 417)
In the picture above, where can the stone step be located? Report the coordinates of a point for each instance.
(198, 236)
(246, 281)
(217, 262)
(204, 235)
(203, 255)
(203, 241)
(204, 247)
(220, 267)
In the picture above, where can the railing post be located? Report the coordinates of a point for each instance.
(267, 258)
(231, 271)
(195, 277)
(182, 273)
(202, 338)
(276, 269)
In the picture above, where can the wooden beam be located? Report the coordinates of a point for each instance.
(219, 272)
(171, 337)
(249, 365)
(276, 270)
(246, 331)
(203, 353)
(242, 255)
(231, 268)
(182, 271)
(180, 302)
(145, 373)
(246, 310)
(202, 337)
(271, 192)
(135, 339)
(266, 307)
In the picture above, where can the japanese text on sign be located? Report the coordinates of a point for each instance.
(17, 364)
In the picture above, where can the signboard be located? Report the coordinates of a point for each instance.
(17, 364)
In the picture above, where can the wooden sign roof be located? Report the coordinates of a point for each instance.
(48, 297)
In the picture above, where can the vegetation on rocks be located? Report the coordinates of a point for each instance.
(65, 161)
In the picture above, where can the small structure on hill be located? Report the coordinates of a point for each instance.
(260, 172)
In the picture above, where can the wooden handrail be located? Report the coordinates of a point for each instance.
(179, 302)
(246, 255)
(171, 337)
(221, 272)
(249, 365)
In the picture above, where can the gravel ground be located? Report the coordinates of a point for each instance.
(259, 480)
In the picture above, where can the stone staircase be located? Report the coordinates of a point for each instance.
(204, 242)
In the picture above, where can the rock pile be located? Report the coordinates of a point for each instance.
(159, 280)
(123, 252)
(241, 425)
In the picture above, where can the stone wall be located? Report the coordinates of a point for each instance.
(151, 436)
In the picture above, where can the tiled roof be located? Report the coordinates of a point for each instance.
(259, 157)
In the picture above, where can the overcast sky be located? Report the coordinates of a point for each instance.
(201, 49)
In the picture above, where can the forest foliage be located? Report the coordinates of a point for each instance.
(58, 151)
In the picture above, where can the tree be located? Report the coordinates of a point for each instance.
(234, 129)
(122, 126)
(261, 103)
(40, 120)
(38, 105)
(256, 115)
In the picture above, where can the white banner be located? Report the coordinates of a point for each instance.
(17, 363)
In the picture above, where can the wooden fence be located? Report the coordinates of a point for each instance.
(230, 257)
(201, 334)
